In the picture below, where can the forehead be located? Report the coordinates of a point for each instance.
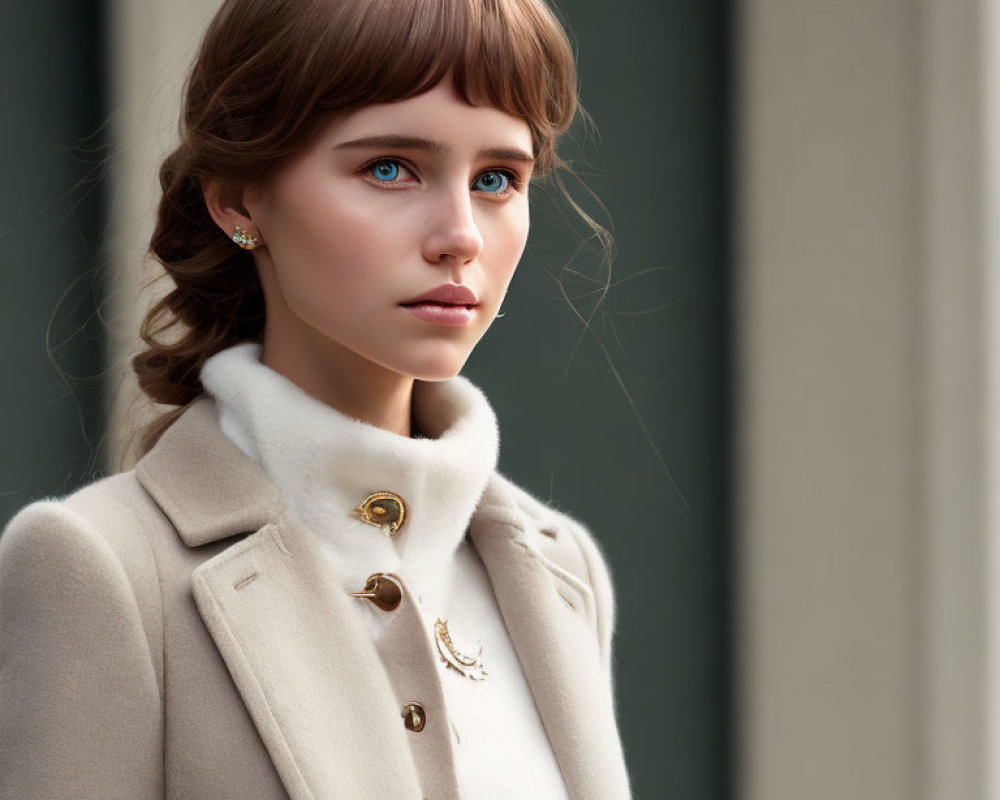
(440, 116)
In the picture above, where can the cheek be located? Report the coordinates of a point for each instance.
(524, 223)
(510, 237)
(329, 241)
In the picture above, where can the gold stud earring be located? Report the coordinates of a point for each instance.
(244, 239)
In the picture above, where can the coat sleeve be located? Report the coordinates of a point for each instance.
(80, 709)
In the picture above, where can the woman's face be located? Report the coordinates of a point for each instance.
(390, 240)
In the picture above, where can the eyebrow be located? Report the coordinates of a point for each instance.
(429, 145)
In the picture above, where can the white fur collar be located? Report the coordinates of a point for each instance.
(326, 463)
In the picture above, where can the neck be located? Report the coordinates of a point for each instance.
(348, 382)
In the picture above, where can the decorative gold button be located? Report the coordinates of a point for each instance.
(385, 510)
(382, 590)
(414, 717)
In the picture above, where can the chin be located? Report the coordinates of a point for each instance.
(440, 367)
(436, 375)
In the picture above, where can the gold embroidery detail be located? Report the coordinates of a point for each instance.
(469, 666)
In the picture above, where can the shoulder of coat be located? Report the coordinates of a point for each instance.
(115, 505)
(100, 535)
(114, 511)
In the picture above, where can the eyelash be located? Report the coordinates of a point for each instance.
(514, 183)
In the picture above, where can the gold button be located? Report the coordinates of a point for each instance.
(382, 590)
(414, 717)
(385, 510)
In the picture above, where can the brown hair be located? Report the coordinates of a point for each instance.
(266, 76)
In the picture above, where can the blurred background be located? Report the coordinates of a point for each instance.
(779, 420)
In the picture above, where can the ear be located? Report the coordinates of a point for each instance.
(226, 206)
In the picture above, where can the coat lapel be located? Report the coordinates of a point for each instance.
(306, 669)
(550, 617)
(304, 666)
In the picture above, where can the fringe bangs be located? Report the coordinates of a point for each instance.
(510, 54)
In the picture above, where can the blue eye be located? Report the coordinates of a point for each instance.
(385, 170)
(492, 182)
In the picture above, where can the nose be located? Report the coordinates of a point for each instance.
(453, 236)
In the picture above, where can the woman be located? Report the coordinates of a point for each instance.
(314, 584)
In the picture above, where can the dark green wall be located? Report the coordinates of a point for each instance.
(51, 93)
(654, 78)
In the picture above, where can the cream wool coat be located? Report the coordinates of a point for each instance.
(171, 632)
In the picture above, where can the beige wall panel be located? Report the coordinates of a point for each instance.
(954, 526)
(152, 45)
(989, 336)
(829, 355)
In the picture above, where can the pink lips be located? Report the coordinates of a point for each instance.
(448, 304)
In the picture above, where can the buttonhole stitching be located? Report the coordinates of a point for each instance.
(244, 582)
